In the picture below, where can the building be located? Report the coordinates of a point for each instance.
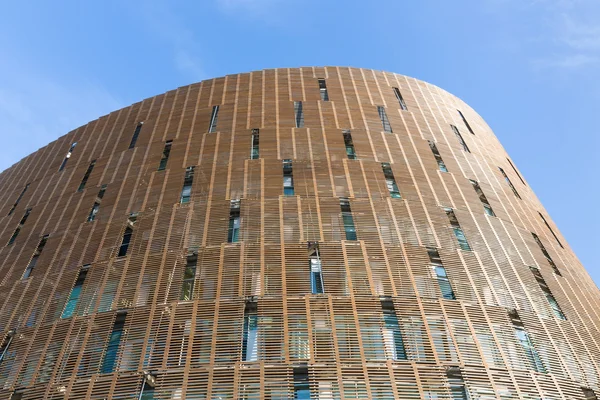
(323, 233)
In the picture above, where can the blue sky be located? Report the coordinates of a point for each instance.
(529, 67)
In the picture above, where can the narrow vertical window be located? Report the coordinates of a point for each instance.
(323, 90)
(400, 99)
(12, 209)
(384, 119)
(234, 221)
(546, 254)
(88, 172)
(165, 155)
(550, 229)
(466, 122)
(507, 179)
(437, 156)
(484, 201)
(69, 153)
(392, 337)
(96, 206)
(516, 172)
(301, 384)
(214, 117)
(456, 382)
(255, 152)
(127, 234)
(148, 387)
(316, 273)
(589, 394)
(435, 262)
(347, 218)
(136, 133)
(350, 152)
(110, 355)
(189, 275)
(458, 232)
(75, 293)
(250, 337)
(18, 229)
(549, 296)
(524, 340)
(288, 178)
(299, 114)
(188, 180)
(6, 344)
(390, 181)
(460, 139)
(36, 255)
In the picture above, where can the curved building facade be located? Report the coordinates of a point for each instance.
(310, 233)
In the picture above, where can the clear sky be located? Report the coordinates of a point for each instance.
(531, 68)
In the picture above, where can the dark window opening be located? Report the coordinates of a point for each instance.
(392, 336)
(75, 294)
(507, 179)
(255, 153)
(460, 139)
(390, 181)
(250, 336)
(524, 340)
(438, 157)
(136, 133)
(127, 234)
(316, 273)
(549, 296)
(516, 172)
(36, 255)
(12, 209)
(400, 99)
(347, 219)
(301, 384)
(188, 180)
(349, 144)
(88, 172)
(18, 229)
(484, 201)
(546, 254)
(550, 229)
(466, 122)
(165, 155)
(16, 396)
(299, 114)
(589, 394)
(234, 222)
(96, 206)
(288, 178)
(6, 344)
(384, 119)
(458, 232)
(458, 390)
(189, 275)
(148, 387)
(212, 128)
(69, 153)
(323, 90)
(443, 281)
(110, 355)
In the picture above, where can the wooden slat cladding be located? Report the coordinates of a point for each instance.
(289, 241)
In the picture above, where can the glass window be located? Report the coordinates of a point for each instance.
(323, 90)
(546, 254)
(435, 262)
(299, 114)
(69, 153)
(12, 209)
(487, 208)
(136, 133)
(458, 232)
(350, 152)
(550, 229)
(96, 205)
(212, 128)
(114, 340)
(88, 172)
(36, 255)
(301, 384)
(250, 340)
(165, 156)
(189, 275)
(347, 219)
(234, 221)
(186, 191)
(460, 139)
(288, 178)
(384, 119)
(507, 179)
(75, 293)
(400, 99)
(316, 272)
(549, 296)
(255, 153)
(438, 157)
(18, 229)
(466, 122)
(531, 354)
(392, 337)
(390, 181)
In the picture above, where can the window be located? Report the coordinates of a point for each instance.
(299, 113)
(301, 385)
(350, 152)
(64, 163)
(136, 133)
(75, 293)
(88, 172)
(392, 337)
(16, 395)
(214, 117)
(390, 181)
(255, 153)
(400, 99)
(466, 122)
(458, 232)
(550, 229)
(506, 178)
(250, 337)
(456, 382)
(189, 275)
(165, 155)
(35, 257)
(438, 157)
(460, 139)
(589, 394)
(551, 300)
(347, 218)
(148, 387)
(316, 273)
(484, 201)
(6, 344)
(96, 206)
(323, 90)
(18, 229)
(110, 355)
(516, 172)
(127, 234)
(384, 119)
(188, 180)
(526, 343)
(288, 178)
(440, 272)
(546, 254)
(12, 209)
(234, 222)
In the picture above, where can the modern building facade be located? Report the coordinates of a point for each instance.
(311, 233)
